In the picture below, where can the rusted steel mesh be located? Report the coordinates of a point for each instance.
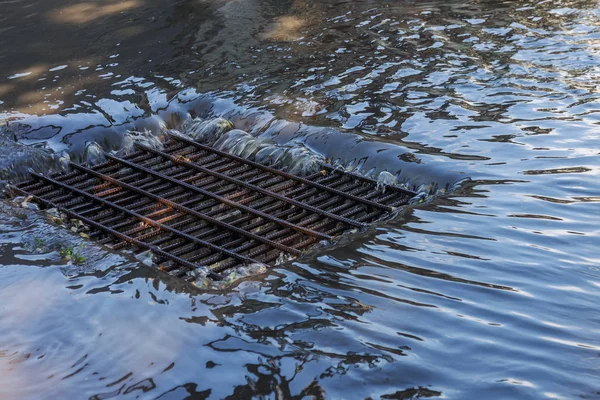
(193, 206)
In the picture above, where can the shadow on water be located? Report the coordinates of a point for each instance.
(490, 291)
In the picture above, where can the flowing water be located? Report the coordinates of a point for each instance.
(488, 289)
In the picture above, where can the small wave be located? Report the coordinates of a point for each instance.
(206, 130)
(298, 159)
(231, 276)
(16, 166)
(386, 179)
(146, 138)
(295, 158)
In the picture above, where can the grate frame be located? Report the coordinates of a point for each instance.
(194, 206)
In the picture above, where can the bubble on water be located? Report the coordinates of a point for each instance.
(207, 131)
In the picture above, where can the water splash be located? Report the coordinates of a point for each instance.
(231, 276)
(146, 258)
(145, 138)
(240, 143)
(63, 159)
(301, 160)
(25, 202)
(93, 154)
(206, 131)
(16, 161)
(386, 179)
(294, 146)
(295, 158)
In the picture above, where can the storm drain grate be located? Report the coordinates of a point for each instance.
(193, 206)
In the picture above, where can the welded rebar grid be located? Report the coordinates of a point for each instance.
(194, 206)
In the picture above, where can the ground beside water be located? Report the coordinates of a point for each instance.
(489, 291)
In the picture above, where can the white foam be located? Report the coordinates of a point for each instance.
(206, 131)
(93, 154)
(295, 158)
(146, 138)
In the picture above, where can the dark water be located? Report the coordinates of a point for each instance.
(489, 291)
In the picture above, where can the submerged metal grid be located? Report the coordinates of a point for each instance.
(192, 205)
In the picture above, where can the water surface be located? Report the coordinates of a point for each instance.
(489, 291)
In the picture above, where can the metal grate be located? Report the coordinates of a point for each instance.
(192, 205)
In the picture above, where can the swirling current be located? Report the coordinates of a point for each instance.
(486, 288)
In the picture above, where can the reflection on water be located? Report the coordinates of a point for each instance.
(490, 291)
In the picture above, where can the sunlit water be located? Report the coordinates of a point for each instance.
(488, 291)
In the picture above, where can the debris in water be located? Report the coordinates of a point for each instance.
(73, 254)
(233, 275)
(54, 216)
(25, 202)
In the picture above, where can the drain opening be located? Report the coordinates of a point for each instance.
(196, 207)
